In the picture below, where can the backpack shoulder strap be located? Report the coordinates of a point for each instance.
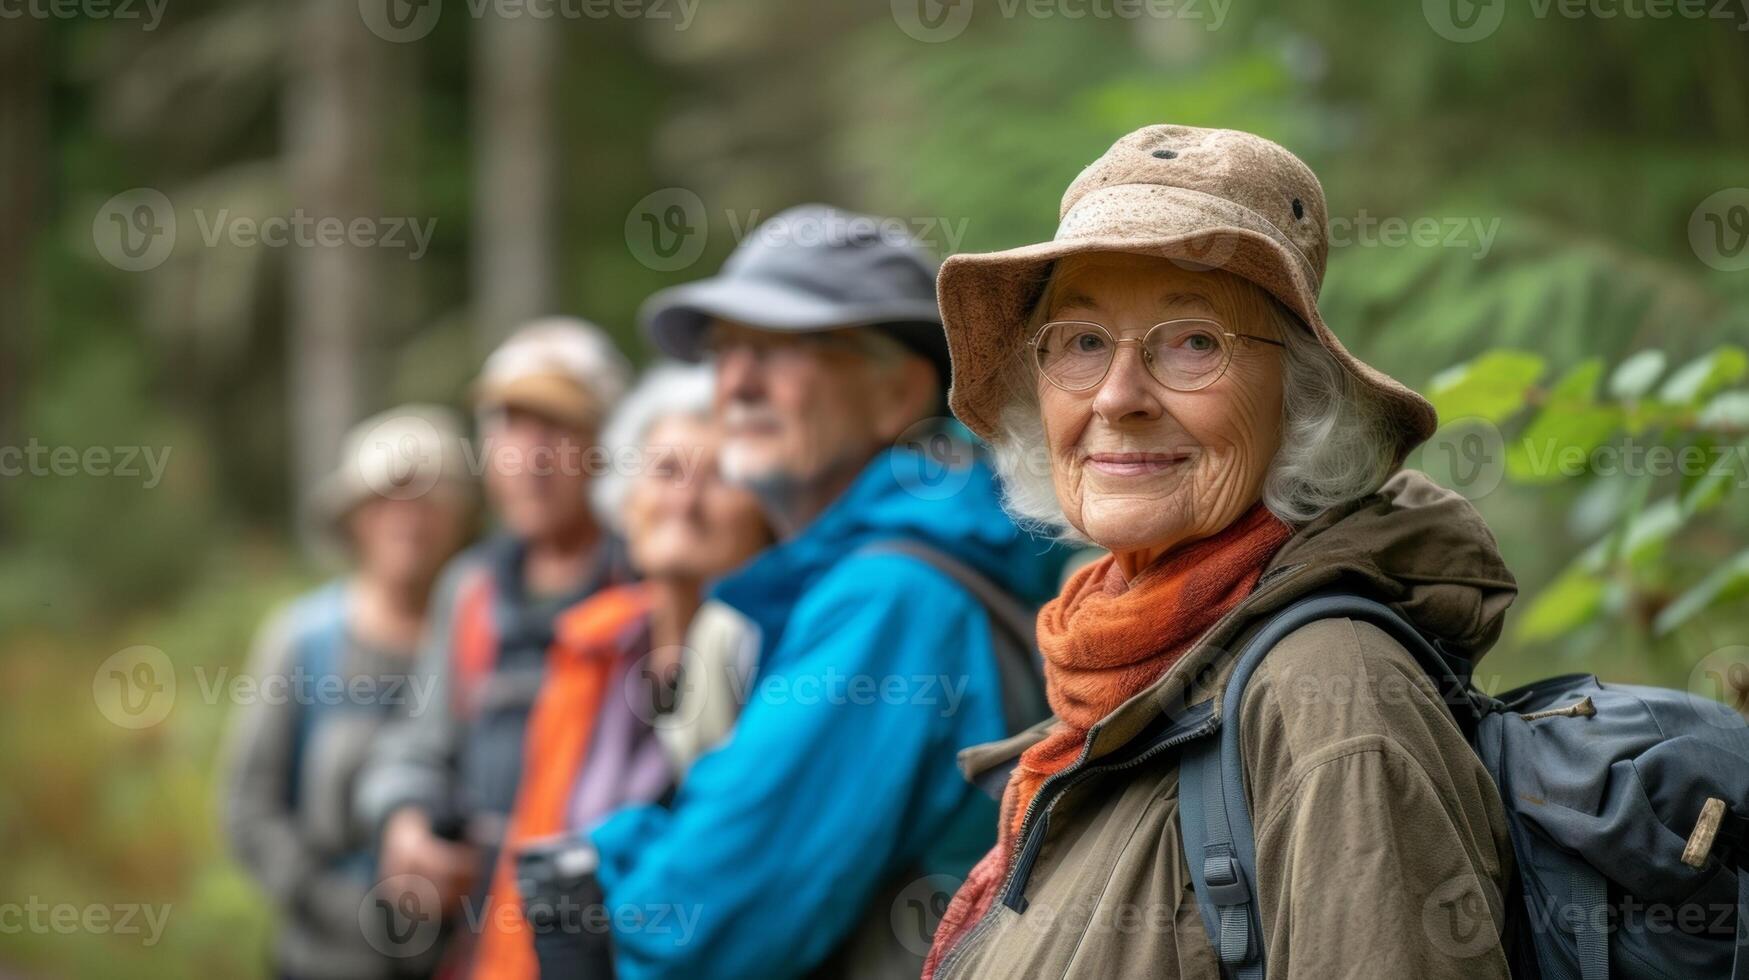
(317, 649)
(1014, 626)
(1214, 814)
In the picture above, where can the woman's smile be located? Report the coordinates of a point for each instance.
(1134, 464)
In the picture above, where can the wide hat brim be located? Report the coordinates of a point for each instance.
(987, 298)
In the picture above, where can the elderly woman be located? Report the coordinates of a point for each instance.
(1158, 380)
(592, 738)
(331, 668)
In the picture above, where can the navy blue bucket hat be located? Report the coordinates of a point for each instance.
(808, 269)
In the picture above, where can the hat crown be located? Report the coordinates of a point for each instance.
(1241, 168)
(837, 256)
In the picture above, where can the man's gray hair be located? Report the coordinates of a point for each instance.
(667, 390)
(1337, 440)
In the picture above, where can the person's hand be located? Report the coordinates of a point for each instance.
(410, 848)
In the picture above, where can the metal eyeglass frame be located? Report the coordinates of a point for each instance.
(1142, 346)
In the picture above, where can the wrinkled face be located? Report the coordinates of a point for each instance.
(537, 474)
(682, 519)
(1138, 467)
(404, 543)
(797, 407)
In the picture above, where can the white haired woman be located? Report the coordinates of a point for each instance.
(592, 742)
(1158, 380)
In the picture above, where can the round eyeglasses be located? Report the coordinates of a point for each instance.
(1183, 355)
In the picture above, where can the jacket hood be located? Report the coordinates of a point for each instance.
(1418, 547)
(901, 494)
(1413, 545)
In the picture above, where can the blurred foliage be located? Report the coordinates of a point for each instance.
(1569, 153)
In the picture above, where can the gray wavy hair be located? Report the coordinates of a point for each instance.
(667, 390)
(1337, 440)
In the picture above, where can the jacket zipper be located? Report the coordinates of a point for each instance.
(1032, 840)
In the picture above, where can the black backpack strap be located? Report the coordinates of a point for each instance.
(1013, 625)
(1213, 812)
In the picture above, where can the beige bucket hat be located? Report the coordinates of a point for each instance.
(400, 454)
(1205, 198)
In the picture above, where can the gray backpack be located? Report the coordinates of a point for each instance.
(1628, 810)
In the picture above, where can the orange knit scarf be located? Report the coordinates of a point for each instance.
(1104, 642)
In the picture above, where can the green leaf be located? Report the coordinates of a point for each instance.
(1559, 443)
(1569, 602)
(1578, 385)
(1640, 541)
(1699, 378)
(1636, 375)
(1725, 583)
(1729, 410)
(1490, 387)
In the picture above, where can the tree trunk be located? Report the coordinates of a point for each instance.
(333, 122)
(23, 126)
(515, 174)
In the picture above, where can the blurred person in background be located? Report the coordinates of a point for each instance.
(441, 781)
(592, 744)
(886, 616)
(330, 668)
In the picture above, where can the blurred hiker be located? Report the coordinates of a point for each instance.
(328, 671)
(888, 620)
(441, 782)
(592, 744)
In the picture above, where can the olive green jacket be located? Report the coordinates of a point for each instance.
(1382, 848)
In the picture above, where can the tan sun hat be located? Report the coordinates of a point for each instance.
(1205, 198)
(561, 368)
(400, 454)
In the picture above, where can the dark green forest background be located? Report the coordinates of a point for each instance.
(1579, 284)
